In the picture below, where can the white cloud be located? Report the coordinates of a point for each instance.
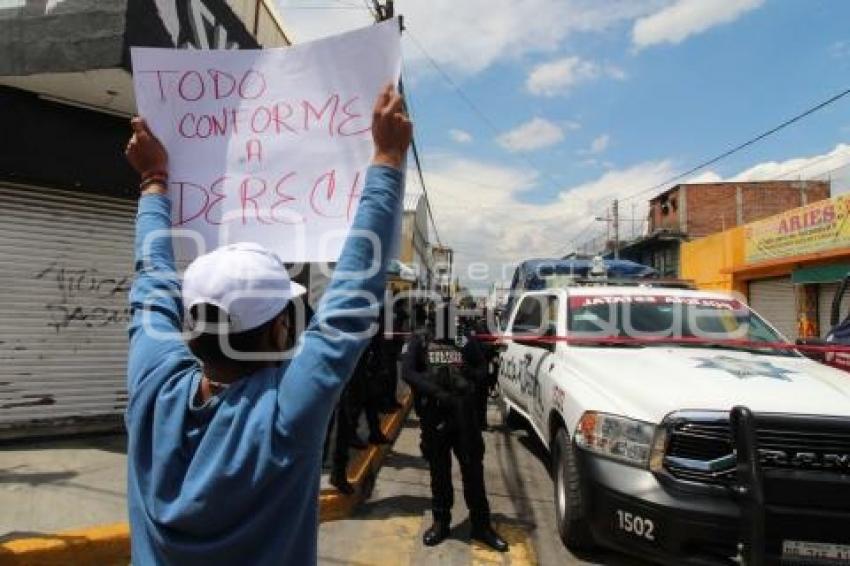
(537, 133)
(684, 18)
(460, 136)
(704, 177)
(559, 76)
(481, 210)
(599, 144)
(833, 165)
(470, 36)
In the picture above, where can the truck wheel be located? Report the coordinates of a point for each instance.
(569, 499)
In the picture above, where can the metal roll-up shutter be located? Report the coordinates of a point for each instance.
(65, 269)
(774, 300)
(826, 292)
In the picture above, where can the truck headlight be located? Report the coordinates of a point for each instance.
(620, 438)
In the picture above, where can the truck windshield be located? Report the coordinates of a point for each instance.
(691, 320)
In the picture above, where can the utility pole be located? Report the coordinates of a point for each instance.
(383, 11)
(616, 222)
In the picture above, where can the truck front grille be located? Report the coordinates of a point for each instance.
(701, 451)
(700, 447)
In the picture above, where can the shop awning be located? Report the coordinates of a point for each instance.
(79, 50)
(820, 273)
(402, 271)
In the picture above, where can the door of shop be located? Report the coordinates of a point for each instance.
(774, 300)
(65, 269)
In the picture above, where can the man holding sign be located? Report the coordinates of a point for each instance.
(224, 455)
(268, 146)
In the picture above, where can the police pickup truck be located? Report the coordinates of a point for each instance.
(682, 427)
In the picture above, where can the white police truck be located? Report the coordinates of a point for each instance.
(682, 427)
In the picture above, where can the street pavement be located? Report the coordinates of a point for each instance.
(387, 529)
(76, 483)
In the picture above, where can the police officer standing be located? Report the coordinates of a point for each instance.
(444, 397)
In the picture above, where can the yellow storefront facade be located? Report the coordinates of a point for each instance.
(788, 265)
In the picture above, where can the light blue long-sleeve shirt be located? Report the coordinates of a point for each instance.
(236, 481)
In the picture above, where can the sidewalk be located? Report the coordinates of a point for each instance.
(47, 487)
(68, 495)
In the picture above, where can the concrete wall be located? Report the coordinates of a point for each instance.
(704, 260)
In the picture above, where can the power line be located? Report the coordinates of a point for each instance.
(418, 162)
(743, 145)
(833, 170)
(471, 104)
(815, 162)
(581, 232)
(380, 13)
(748, 143)
(474, 107)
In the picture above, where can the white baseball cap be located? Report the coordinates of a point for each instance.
(245, 280)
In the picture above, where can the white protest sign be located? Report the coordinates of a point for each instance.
(268, 146)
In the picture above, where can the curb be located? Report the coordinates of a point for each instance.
(363, 470)
(110, 544)
(106, 544)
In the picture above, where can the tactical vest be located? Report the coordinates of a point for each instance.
(447, 368)
(445, 365)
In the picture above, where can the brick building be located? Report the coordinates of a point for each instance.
(694, 210)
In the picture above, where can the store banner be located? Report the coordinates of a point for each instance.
(818, 227)
(268, 146)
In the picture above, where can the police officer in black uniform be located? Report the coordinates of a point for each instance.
(444, 397)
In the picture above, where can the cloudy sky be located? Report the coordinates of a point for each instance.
(532, 115)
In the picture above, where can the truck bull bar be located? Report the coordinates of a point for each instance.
(749, 487)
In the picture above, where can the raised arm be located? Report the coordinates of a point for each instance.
(155, 308)
(345, 318)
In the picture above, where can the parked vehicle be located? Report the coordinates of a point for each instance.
(839, 333)
(682, 427)
(536, 274)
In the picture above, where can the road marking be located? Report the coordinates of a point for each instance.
(388, 541)
(521, 552)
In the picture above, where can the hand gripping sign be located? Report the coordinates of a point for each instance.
(268, 146)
